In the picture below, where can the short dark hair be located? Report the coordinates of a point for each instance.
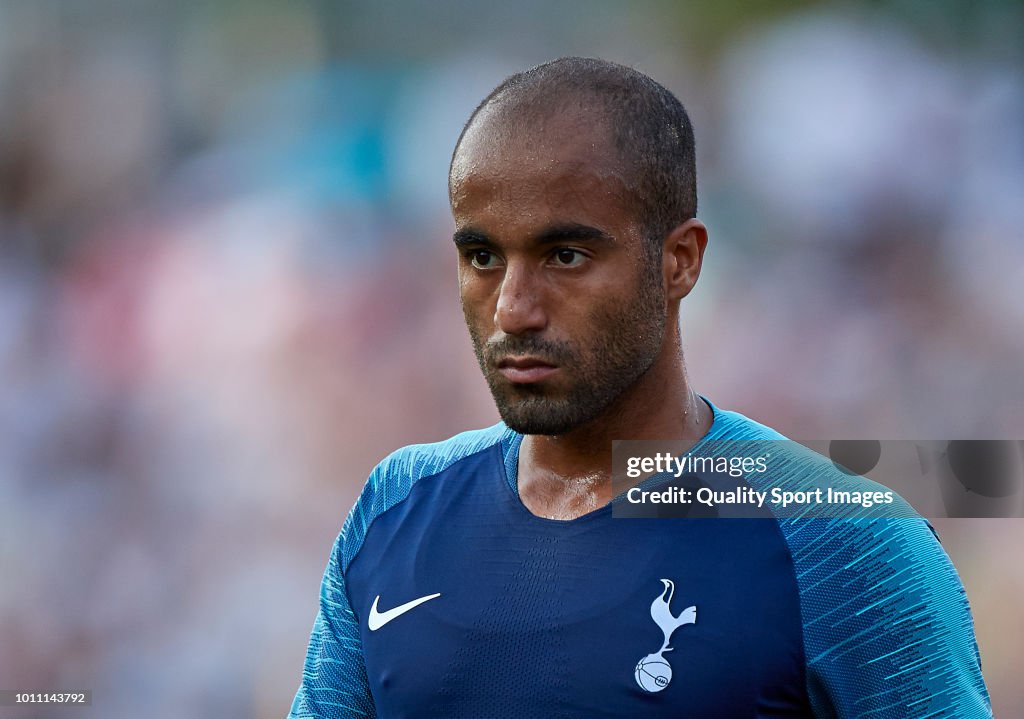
(649, 126)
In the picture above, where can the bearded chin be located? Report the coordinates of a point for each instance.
(532, 411)
(597, 373)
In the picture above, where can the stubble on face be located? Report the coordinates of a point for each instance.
(616, 346)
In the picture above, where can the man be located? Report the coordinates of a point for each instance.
(485, 576)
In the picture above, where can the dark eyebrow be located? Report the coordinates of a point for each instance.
(549, 236)
(572, 231)
(469, 236)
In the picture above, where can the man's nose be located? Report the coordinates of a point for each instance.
(520, 305)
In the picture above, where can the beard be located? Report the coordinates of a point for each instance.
(594, 370)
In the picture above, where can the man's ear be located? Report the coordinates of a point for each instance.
(683, 256)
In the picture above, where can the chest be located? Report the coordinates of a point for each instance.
(468, 606)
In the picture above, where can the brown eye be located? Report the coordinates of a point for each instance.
(482, 259)
(566, 257)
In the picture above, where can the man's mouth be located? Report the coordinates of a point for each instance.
(526, 370)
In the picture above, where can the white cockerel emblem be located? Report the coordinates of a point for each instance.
(653, 672)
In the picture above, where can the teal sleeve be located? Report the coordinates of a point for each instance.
(334, 683)
(887, 628)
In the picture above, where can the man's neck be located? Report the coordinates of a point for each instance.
(568, 475)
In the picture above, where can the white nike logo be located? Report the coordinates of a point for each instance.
(376, 620)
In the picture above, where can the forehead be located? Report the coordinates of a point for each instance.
(564, 167)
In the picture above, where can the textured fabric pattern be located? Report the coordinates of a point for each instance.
(888, 631)
(391, 481)
(334, 682)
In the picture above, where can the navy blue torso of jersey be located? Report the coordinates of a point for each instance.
(444, 598)
(549, 618)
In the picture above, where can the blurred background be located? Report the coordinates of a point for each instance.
(227, 289)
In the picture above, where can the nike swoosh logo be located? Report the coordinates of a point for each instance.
(376, 620)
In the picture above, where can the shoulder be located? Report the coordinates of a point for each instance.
(409, 464)
(393, 478)
(793, 467)
(729, 425)
(886, 622)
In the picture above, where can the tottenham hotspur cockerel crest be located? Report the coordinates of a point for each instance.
(653, 672)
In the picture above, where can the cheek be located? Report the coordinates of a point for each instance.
(476, 300)
(622, 320)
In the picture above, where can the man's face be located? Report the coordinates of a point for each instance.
(564, 301)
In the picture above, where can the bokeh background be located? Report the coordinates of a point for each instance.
(227, 289)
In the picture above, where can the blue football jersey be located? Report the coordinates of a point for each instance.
(444, 596)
